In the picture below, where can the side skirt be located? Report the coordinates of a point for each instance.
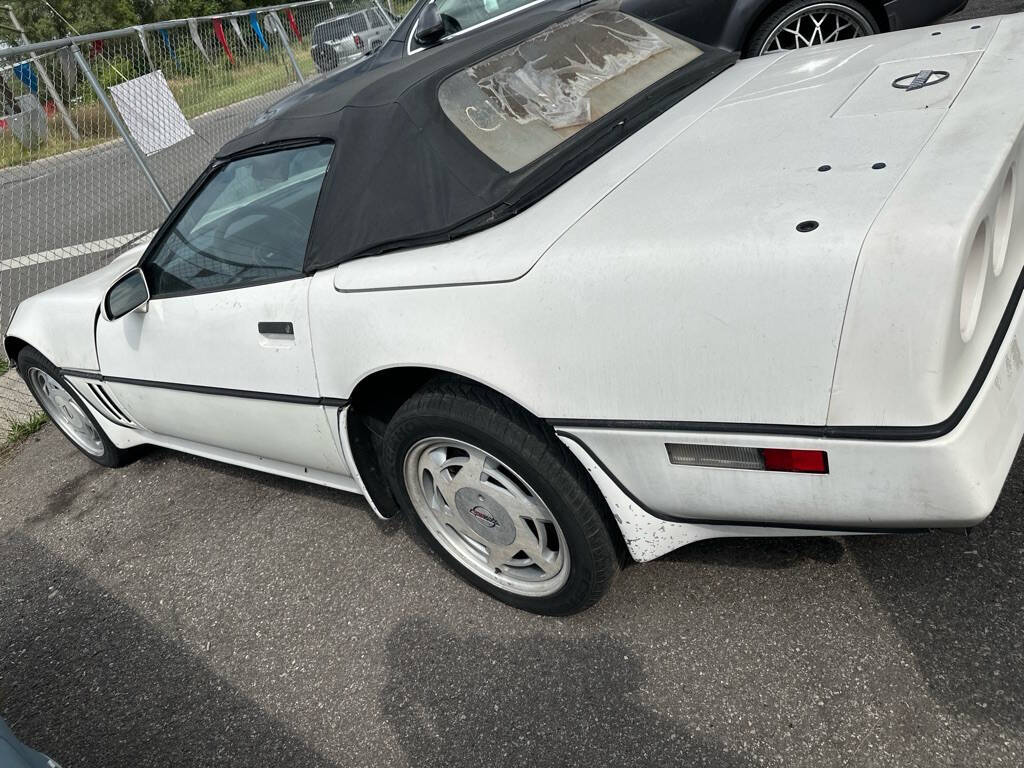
(123, 437)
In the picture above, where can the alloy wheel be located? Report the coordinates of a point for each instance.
(65, 412)
(486, 516)
(815, 25)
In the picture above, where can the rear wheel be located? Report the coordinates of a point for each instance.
(803, 23)
(325, 57)
(66, 410)
(500, 499)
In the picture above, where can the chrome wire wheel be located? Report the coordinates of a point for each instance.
(486, 516)
(65, 412)
(817, 24)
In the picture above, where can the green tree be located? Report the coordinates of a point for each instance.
(60, 18)
(42, 22)
(181, 9)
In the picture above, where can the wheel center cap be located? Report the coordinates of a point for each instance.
(485, 516)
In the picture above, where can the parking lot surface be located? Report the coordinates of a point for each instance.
(180, 612)
(177, 612)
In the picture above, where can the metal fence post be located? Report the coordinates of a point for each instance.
(284, 40)
(45, 77)
(388, 15)
(140, 158)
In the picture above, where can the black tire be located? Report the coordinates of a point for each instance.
(325, 57)
(30, 358)
(459, 410)
(765, 29)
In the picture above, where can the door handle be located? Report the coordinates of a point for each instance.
(276, 329)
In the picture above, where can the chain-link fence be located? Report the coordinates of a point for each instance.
(101, 134)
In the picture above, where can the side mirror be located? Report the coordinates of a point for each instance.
(128, 294)
(430, 26)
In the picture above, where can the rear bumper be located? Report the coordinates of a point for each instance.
(873, 485)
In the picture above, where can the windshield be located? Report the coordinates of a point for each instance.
(526, 100)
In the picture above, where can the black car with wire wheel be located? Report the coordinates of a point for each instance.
(756, 27)
(751, 27)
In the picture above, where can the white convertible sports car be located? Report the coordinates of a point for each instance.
(576, 287)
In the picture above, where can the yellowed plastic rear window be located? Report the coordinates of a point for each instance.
(524, 101)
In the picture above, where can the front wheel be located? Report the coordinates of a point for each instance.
(500, 499)
(803, 23)
(66, 410)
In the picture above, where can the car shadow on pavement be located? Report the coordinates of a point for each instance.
(469, 699)
(150, 460)
(764, 553)
(958, 601)
(88, 681)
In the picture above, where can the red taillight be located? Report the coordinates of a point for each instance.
(740, 457)
(357, 40)
(786, 460)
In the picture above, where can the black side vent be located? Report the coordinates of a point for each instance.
(106, 400)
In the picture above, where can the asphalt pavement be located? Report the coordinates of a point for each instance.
(180, 612)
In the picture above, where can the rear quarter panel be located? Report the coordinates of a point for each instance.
(540, 330)
(903, 360)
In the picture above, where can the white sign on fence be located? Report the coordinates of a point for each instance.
(151, 112)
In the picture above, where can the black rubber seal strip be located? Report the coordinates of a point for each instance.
(716, 427)
(735, 523)
(219, 391)
(930, 432)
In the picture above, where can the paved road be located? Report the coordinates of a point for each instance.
(179, 612)
(98, 193)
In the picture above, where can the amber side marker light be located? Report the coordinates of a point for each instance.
(735, 457)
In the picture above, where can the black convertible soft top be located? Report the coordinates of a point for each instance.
(403, 173)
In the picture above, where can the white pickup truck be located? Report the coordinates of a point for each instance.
(350, 36)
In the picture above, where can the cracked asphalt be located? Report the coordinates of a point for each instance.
(180, 612)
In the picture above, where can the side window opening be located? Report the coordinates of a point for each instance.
(359, 22)
(249, 223)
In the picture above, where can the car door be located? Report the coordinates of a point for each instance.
(222, 355)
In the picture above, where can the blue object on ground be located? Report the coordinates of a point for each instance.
(14, 754)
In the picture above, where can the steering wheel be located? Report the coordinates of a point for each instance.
(264, 254)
